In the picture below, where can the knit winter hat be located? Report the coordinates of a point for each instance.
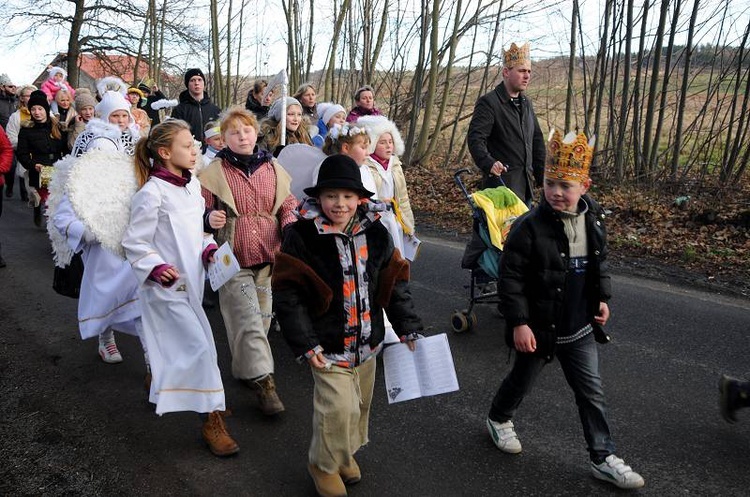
(275, 110)
(84, 98)
(193, 72)
(338, 171)
(5, 80)
(111, 102)
(326, 111)
(38, 97)
(376, 126)
(144, 88)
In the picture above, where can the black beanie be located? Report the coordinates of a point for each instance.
(193, 72)
(38, 97)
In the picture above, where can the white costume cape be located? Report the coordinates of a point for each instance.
(166, 227)
(85, 192)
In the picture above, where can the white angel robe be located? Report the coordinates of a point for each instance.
(109, 290)
(388, 218)
(166, 227)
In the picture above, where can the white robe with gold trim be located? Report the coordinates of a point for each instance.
(166, 227)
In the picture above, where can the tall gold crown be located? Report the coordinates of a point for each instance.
(516, 55)
(569, 158)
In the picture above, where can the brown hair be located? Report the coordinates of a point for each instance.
(147, 149)
(334, 145)
(302, 89)
(259, 86)
(361, 89)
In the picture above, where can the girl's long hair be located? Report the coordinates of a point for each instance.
(147, 149)
(270, 130)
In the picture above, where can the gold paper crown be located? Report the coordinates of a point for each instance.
(517, 55)
(569, 158)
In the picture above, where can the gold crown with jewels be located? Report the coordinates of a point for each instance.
(516, 55)
(569, 157)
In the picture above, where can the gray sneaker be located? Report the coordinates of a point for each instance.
(615, 471)
(504, 436)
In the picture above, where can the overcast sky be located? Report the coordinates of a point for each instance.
(548, 32)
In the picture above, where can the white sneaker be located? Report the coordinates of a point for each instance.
(615, 471)
(504, 436)
(108, 348)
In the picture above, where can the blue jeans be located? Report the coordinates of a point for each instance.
(580, 364)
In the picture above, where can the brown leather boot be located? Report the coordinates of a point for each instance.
(270, 403)
(351, 473)
(327, 484)
(216, 436)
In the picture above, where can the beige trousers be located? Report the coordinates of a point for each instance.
(341, 414)
(247, 317)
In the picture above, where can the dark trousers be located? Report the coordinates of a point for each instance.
(579, 361)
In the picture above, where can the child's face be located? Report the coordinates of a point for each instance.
(38, 113)
(339, 205)
(63, 99)
(564, 195)
(58, 77)
(366, 100)
(182, 154)
(293, 117)
(338, 118)
(357, 150)
(86, 113)
(133, 98)
(241, 138)
(308, 98)
(120, 118)
(384, 146)
(217, 142)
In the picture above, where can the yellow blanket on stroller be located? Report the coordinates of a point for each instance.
(501, 207)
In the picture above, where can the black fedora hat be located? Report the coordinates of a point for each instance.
(339, 171)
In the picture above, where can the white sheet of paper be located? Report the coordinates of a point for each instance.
(225, 266)
(429, 370)
(411, 247)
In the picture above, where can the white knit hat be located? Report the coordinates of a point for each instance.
(326, 111)
(112, 101)
(54, 70)
(376, 126)
(275, 110)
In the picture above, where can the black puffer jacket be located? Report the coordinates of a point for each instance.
(534, 267)
(195, 113)
(37, 146)
(497, 132)
(308, 289)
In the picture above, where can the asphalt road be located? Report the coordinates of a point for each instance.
(72, 425)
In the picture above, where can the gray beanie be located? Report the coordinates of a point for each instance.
(5, 80)
(275, 110)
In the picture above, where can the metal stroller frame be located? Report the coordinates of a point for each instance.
(465, 319)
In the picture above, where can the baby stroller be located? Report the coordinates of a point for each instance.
(493, 211)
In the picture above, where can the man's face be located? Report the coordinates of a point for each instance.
(517, 78)
(196, 85)
(10, 89)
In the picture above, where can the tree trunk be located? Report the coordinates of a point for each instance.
(74, 46)
(677, 146)
(648, 168)
(571, 66)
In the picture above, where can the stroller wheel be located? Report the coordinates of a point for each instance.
(472, 320)
(460, 322)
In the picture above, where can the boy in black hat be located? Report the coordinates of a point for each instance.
(336, 272)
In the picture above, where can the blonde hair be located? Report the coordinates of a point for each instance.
(341, 134)
(147, 149)
(270, 130)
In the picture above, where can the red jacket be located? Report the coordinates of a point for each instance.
(6, 155)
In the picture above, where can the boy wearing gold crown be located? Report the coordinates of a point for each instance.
(554, 289)
(504, 136)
